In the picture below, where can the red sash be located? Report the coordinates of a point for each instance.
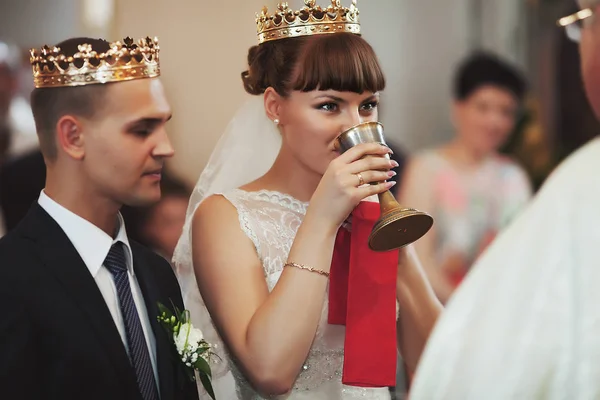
(362, 296)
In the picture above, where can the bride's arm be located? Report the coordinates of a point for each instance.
(418, 191)
(419, 307)
(269, 334)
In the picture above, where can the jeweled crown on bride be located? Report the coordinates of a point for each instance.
(309, 20)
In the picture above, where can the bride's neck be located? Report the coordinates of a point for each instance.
(289, 176)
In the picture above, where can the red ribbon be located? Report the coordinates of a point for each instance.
(362, 296)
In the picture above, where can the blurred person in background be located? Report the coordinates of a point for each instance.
(468, 187)
(524, 324)
(21, 180)
(15, 111)
(159, 226)
(17, 138)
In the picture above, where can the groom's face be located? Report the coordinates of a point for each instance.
(126, 144)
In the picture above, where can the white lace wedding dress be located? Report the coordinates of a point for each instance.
(271, 220)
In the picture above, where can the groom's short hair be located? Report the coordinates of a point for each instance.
(51, 104)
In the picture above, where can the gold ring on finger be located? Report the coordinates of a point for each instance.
(361, 181)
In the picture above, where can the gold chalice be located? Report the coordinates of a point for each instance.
(398, 226)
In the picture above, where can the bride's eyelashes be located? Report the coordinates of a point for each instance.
(332, 107)
(328, 106)
(370, 106)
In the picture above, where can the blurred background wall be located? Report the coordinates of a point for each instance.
(204, 45)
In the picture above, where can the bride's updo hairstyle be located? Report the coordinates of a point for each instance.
(342, 61)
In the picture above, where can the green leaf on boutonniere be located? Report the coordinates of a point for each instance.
(178, 313)
(203, 366)
(185, 317)
(207, 385)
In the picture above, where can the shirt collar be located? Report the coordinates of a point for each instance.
(91, 242)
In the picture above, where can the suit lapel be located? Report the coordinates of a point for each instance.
(165, 359)
(61, 258)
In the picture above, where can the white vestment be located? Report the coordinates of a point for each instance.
(525, 323)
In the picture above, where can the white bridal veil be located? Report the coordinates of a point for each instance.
(245, 152)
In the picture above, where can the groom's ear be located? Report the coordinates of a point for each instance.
(273, 102)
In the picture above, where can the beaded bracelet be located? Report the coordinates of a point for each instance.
(311, 269)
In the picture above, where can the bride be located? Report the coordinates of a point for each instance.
(269, 214)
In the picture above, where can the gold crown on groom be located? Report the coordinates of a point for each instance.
(309, 20)
(126, 60)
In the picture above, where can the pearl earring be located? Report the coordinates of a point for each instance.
(276, 121)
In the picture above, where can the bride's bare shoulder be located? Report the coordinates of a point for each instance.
(213, 212)
(213, 201)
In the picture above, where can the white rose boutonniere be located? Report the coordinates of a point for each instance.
(194, 351)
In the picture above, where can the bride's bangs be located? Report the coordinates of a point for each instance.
(342, 61)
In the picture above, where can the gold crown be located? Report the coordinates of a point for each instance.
(309, 20)
(124, 61)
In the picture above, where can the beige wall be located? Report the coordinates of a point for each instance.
(204, 46)
(418, 42)
(32, 23)
(203, 49)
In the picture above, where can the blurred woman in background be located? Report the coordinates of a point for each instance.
(469, 188)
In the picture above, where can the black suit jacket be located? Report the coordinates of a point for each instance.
(21, 181)
(58, 338)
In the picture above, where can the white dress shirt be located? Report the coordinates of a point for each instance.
(93, 245)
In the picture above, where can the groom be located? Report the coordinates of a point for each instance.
(79, 300)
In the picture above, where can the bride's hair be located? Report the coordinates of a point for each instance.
(340, 61)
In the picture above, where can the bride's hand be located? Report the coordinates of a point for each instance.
(345, 182)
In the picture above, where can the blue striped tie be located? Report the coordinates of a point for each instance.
(138, 350)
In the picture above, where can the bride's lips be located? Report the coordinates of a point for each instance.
(154, 174)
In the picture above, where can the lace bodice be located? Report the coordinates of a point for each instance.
(271, 220)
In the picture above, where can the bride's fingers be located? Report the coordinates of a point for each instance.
(359, 151)
(366, 177)
(371, 163)
(370, 190)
